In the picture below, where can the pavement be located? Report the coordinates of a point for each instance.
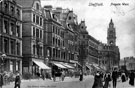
(38, 82)
(50, 83)
(121, 84)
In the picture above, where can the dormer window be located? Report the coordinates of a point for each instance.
(82, 27)
(69, 18)
(37, 6)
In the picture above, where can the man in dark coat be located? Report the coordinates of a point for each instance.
(1, 80)
(17, 81)
(81, 75)
(131, 78)
(114, 78)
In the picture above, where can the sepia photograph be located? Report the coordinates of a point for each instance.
(67, 43)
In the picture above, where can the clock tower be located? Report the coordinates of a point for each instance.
(111, 34)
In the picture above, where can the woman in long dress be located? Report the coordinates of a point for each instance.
(107, 80)
(97, 81)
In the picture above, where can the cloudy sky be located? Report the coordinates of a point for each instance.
(98, 17)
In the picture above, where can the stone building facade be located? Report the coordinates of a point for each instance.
(109, 55)
(10, 36)
(33, 36)
(61, 35)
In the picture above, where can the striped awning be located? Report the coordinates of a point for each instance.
(59, 65)
(41, 64)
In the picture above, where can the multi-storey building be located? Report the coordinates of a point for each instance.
(61, 43)
(54, 33)
(10, 36)
(33, 57)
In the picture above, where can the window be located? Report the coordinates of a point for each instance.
(18, 30)
(37, 19)
(12, 47)
(6, 46)
(18, 12)
(34, 18)
(63, 43)
(18, 48)
(41, 49)
(56, 41)
(11, 66)
(5, 26)
(6, 7)
(37, 6)
(53, 41)
(12, 10)
(17, 65)
(34, 34)
(41, 34)
(56, 30)
(34, 49)
(37, 33)
(12, 29)
(59, 42)
(41, 22)
(53, 52)
(53, 29)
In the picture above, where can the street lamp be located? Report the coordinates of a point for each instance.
(2, 57)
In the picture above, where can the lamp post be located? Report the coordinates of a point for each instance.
(2, 57)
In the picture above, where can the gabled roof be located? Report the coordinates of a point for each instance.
(26, 3)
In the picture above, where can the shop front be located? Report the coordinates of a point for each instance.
(39, 67)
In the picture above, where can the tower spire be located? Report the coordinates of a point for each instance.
(111, 34)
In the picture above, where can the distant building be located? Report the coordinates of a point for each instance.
(128, 62)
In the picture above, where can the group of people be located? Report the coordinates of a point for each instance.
(17, 80)
(102, 80)
(61, 74)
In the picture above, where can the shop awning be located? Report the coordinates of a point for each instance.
(41, 64)
(95, 66)
(67, 65)
(59, 65)
(79, 64)
(88, 66)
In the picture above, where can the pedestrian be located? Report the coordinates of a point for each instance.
(1, 80)
(97, 81)
(107, 79)
(123, 77)
(53, 75)
(81, 75)
(114, 77)
(131, 78)
(17, 81)
(43, 75)
(63, 75)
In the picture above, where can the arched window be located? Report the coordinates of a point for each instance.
(37, 6)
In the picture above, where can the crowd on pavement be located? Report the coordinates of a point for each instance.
(101, 79)
(104, 79)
